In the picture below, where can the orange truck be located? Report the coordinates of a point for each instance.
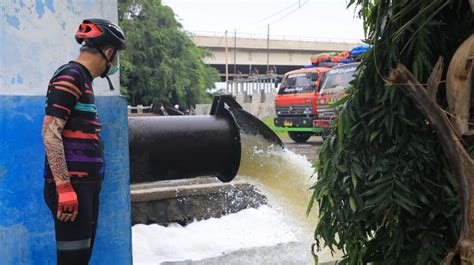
(333, 88)
(295, 104)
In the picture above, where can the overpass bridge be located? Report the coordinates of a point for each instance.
(247, 54)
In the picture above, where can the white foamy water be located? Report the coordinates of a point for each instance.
(153, 244)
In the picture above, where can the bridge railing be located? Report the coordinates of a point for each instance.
(139, 109)
(244, 35)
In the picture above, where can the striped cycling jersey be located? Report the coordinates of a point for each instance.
(70, 97)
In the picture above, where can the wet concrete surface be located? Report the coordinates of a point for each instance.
(310, 149)
(282, 254)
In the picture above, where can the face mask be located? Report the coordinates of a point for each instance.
(113, 69)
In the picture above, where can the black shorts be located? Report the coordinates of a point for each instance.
(80, 233)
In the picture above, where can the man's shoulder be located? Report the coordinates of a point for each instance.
(69, 73)
(70, 69)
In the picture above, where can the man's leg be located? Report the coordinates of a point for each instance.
(95, 216)
(73, 239)
(73, 257)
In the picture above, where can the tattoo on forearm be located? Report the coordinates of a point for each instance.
(53, 142)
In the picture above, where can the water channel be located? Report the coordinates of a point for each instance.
(276, 233)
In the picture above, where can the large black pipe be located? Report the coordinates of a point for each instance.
(174, 147)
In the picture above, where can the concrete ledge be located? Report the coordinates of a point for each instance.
(183, 201)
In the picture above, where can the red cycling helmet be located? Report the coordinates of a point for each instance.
(99, 33)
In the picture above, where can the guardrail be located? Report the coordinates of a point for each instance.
(272, 37)
(138, 109)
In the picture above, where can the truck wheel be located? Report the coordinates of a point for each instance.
(300, 137)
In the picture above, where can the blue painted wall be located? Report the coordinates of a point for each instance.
(26, 225)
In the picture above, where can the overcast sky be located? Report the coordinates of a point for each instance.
(305, 19)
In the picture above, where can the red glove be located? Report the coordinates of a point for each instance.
(67, 202)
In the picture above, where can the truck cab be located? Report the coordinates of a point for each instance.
(333, 88)
(295, 104)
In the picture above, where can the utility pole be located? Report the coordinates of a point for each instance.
(226, 64)
(268, 47)
(235, 52)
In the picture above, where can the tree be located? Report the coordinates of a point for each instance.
(160, 61)
(385, 190)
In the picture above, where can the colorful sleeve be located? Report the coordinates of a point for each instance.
(64, 91)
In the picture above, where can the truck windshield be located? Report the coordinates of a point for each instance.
(298, 83)
(337, 79)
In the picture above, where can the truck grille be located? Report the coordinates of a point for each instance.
(293, 110)
(327, 112)
(326, 115)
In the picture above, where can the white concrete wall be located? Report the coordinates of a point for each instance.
(297, 45)
(37, 36)
(256, 108)
(259, 57)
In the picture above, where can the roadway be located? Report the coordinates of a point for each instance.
(310, 149)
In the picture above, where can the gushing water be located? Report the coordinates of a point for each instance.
(278, 234)
(283, 176)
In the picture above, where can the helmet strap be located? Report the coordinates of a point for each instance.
(107, 67)
(110, 83)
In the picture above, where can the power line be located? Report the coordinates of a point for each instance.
(291, 11)
(279, 12)
(288, 14)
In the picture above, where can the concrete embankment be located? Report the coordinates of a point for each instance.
(184, 200)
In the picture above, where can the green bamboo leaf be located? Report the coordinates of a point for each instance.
(357, 169)
(377, 189)
(381, 200)
(354, 181)
(376, 117)
(340, 130)
(402, 186)
(402, 200)
(310, 205)
(408, 122)
(373, 135)
(352, 204)
(342, 168)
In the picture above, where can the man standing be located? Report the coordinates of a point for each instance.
(74, 166)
